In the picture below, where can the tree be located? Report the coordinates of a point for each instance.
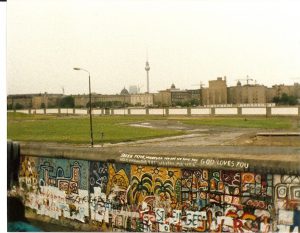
(67, 102)
(285, 99)
(293, 100)
(195, 102)
(276, 99)
(19, 106)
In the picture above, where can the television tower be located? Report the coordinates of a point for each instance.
(147, 68)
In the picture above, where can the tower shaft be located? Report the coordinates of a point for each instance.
(147, 81)
(147, 68)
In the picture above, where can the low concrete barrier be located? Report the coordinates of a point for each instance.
(66, 110)
(52, 111)
(123, 111)
(178, 111)
(26, 111)
(97, 111)
(138, 111)
(226, 111)
(254, 111)
(157, 111)
(285, 111)
(231, 111)
(81, 111)
(200, 111)
(39, 111)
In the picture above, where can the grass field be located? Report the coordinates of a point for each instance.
(76, 129)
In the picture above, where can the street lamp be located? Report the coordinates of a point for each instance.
(90, 96)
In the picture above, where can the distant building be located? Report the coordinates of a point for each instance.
(247, 94)
(22, 101)
(180, 97)
(34, 100)
(162, 98)
(133, 90)
(173, 96)
(124, 91)
(216, 93)
(121, 99)
(142, 99)
(278, 90)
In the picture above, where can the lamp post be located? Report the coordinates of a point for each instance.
(90, 97)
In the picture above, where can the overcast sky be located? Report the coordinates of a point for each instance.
(187, 42)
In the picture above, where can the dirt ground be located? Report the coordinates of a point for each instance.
(210, 135)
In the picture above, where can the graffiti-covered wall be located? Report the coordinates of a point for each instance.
(129, 197)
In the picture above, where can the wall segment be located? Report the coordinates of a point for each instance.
(143, 192)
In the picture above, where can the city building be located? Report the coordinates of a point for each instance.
(142, 99)
(216, 93)
(44, 100)
(247, 94)
(133, 89)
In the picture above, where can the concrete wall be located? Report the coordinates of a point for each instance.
(39, 111)
(140, 111)
(52, 110)
(23, 111)
(226, 111)
(275, 111)
(200, 111)
(66, 110)
(157, 111)
(221, 194)
(121, 111)
(177, 111)
(254, 111)
(81, 111)
(284, 111)
(96, 111)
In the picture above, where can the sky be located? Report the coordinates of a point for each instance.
(186, 42)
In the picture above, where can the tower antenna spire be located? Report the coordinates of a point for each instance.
(147, 58)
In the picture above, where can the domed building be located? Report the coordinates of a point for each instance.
(124, 92)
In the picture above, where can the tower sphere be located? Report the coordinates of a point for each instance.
(147, 68)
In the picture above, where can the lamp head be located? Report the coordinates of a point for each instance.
(76, 68)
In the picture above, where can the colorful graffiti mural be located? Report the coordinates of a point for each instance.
(129, 197)
(55, 187)
(287, 199)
